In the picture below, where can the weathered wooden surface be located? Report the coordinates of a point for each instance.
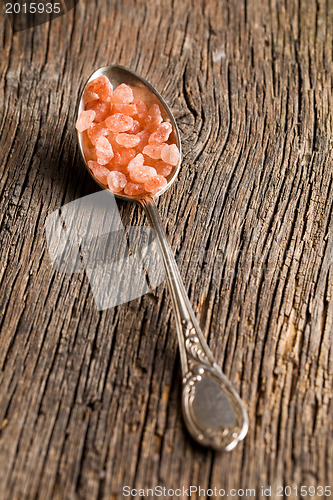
(90, 400)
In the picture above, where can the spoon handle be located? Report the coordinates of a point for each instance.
(213, 412)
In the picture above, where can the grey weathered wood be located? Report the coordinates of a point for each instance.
(90, 400)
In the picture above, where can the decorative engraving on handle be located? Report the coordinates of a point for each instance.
(195, 352)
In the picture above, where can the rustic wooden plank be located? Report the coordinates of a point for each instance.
(90, 400)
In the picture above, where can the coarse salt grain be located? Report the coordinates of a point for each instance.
(119, 122)
(85, 120)
(155, 184)
(142, 174)
(102, 87)
(127, 140)
(101, 173)
(116, 181)
(104, 151)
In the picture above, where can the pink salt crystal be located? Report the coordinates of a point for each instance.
(117, 168)
(163, 168)
(154, 151)
(136, 127)
(127, 154)
(155, 184)
(96, 131)
(89, 96)
(124, 156)
(125, 109)
(115, 146)
(132, 189)
(149, 161)
(123, 94)
(154, 117)
(170, 154)
(102, 87)
(115, 162)
(84, 120)
(104, 151)
(127, 140)
(102, 109)
(136, 162)
(142, 174)
(161, 134)
(101, 173)
(116, 181)
(119, 122)
(112, 140)
(141, 110)
(143, 136)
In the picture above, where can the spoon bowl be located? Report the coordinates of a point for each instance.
(144, 91)
(213, 411)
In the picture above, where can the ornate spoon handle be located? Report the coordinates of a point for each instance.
(213, 412)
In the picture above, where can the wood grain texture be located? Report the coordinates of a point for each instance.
(90, 401)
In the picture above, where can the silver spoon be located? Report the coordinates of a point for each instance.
(213, 412)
